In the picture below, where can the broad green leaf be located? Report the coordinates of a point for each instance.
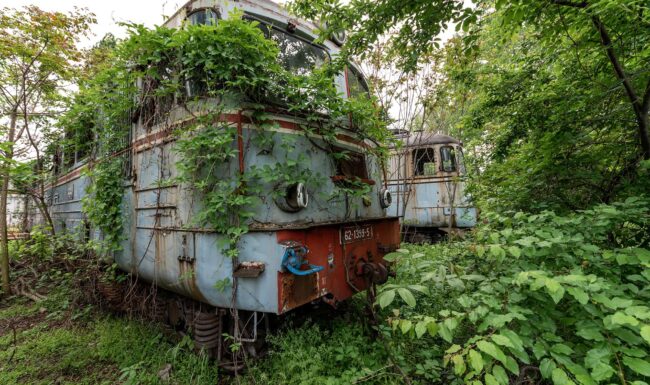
(597, 356)
(640, 312)
(559, 377)
(514, 338)
(554, 289)
(546, 367)
(639, 365)
(645, 333)
(515, 251)
(420, 288)
(590, 333)
(392, 257)
(491, 350)
(497, 251)
(490, 380)
(580, 374)
(620, 318)
(500, 374)
(407, 296)
(602, 372)
(562, 349)
(512, 365)
(445, 333)
(475, 360)
(386, 298)
(432, 328)
(420, 328)
(502, 340)
(578, 294)
(459, 364)
(621, 303)
(405, 325)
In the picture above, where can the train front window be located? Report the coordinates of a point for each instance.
(203, 17)
(424, 163)
(448, 158)
(297, 54)
(357, 85)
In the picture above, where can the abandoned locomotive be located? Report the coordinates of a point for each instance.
(305, 241)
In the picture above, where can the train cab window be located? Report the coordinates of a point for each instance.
(424, 162)
(447, 159)
(297, 54)
(357, 85)
(351, 165)
(460, 159)
(204, 16)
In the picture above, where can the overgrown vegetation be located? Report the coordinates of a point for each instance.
(235, 68)
(552, 287)
(530, 298)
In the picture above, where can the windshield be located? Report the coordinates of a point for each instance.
(203, 17)
(297, 54)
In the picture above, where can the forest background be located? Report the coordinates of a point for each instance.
(551, 99)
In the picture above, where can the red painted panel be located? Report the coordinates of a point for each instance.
(339, 280)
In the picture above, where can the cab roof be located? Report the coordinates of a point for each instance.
(421, 138)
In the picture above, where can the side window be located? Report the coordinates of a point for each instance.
(460, 159)
(448, 159)
(351, 165)
(204, 16)
(357, 85)
(424, 162)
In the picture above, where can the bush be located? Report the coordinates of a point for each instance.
(564, 298)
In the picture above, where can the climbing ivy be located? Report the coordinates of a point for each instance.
(206, 72)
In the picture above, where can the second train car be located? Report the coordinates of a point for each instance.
(426, 177)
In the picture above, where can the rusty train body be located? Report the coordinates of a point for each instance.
(319, 251)
(426, 176)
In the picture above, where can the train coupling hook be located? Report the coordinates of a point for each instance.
(295, 259)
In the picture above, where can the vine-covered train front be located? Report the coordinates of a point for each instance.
(308, 240)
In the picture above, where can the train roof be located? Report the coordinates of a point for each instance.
(421, 138)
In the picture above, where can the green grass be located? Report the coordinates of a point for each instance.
(57, 342)
(106, 350)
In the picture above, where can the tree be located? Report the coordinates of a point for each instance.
(37, 61)
(616, 29)
(413, 26)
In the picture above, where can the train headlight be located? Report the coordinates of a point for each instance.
(385, 198)
(295, 198)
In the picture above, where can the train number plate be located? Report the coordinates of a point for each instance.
(356, 233)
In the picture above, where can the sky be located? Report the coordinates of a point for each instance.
(108, 12)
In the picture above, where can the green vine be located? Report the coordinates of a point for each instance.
(206, 72)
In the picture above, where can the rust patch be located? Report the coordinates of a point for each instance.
(297, 290)
(187, 280)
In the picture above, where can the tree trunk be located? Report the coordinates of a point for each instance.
(42, 206)
(4, 241)
(640, 112)
(24, 224)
